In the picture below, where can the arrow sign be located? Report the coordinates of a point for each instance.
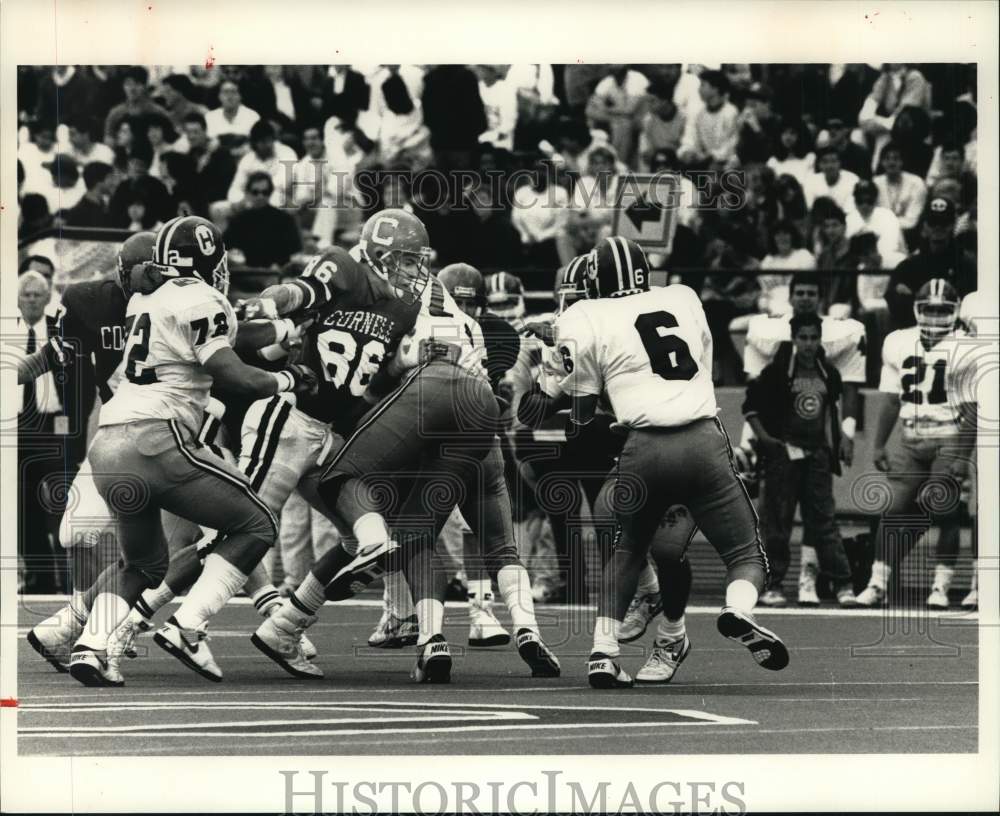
(643, 210)
(647, 210)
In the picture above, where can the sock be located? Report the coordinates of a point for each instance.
(152, 600)
(78, 605)
(219, 582)
(261, 591)
(397, 594)
(108, 612)
(606, 636)
(649, 584)
(515, 589)
(974, 583)
(880, 575)
(943, 575)
(430, 619)
(809, 566)
(481, 590)
(741, 595)
(370, 530)
(669, 630)
(310, 595)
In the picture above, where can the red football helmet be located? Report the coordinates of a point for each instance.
(190, 246)
(465, 283)
(135, 250)
(394, 244)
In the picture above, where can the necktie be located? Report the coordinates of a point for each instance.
(28, 403)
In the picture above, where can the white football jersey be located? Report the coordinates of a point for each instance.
(171, 333)
(651, 354)
(843, 344)
(930, 383)
(978, 315)
(440, 319)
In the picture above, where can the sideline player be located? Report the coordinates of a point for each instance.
(650, 353)
(925, 369)
(179, 341)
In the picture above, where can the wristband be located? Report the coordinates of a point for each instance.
(849, 426)
(273, 352)
(285, 381)
(282, 328)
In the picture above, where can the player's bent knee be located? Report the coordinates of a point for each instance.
(152, 571)
(504, 557)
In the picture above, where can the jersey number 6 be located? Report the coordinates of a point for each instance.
(669, 355)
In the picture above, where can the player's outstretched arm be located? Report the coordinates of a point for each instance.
(231, 374)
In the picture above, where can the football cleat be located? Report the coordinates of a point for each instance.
(772, 598)
(280, 638)
(190, 647)
(92, 669)
(846, 598)
(603, 672)
(484, 629)
(640, 612)
(536, 654)
(393, 632)
(121, 643)
(765, 646)
(433, 662)
(54, 637)
(309, 650)
(667, 656)
(364, 568)
(871, 595)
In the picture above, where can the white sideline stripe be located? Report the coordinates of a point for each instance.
(541, 609)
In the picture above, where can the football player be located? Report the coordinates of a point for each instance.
(769, 338)
(926, 370)
(650, 353)
(179, 341)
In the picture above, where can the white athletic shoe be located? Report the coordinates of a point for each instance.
(364, 568)
(280, 638)
(393, 632)
(484, 628)
(121, 643)
(92, 669)
(603, 672)
(938, 599)
(664, 661)
(765, 646)
(190, 647)
(54, 637)
(433, 662)
(846, 598)
(872, 595)
(807, 586)
(640, 612)
(309, 650)
(536, 654)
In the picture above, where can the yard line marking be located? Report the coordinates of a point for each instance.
(832, 612)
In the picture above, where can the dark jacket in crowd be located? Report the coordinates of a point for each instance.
(265, 235)
(913, 272)
(769, 397)
(453, 109)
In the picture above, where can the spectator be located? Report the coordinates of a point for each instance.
(394, 121)
(712, 134)
(214, 166)
(65, 187)
(265, 156)
(597, 190)
(499, 96)
(853, 157)
(92, 210)
(315, 187)
(792, 155)
(831, 181)
(181, 180)
(793, 408)
(898, 87)
(911, 132)
(83, 148)
(232, 121)
(346, 95)
(454, 115)
(33, 215)
(139, 190)
(662, 126)
(901, 192)
(74, 93)
(868, 217)
(786, 255)
(284, 99)
(177, 92)
(34, 155)
(38, 263)
(163, 139)
(137, 103)
(758, 127)
(616, 105)
(494, 242)
(540, 216)
(938, 256)
(833, 260)
(791, 202)
(874, 272)
(948, 163)
(259, 234)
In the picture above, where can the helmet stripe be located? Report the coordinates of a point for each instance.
(628, 259)
(618, 266)
(169, 231)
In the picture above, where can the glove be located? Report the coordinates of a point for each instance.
(543, 331)
(257, 308)
(303, 379)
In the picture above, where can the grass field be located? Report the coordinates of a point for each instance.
(859, 681)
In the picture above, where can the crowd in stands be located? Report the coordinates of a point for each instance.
(836, 166)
